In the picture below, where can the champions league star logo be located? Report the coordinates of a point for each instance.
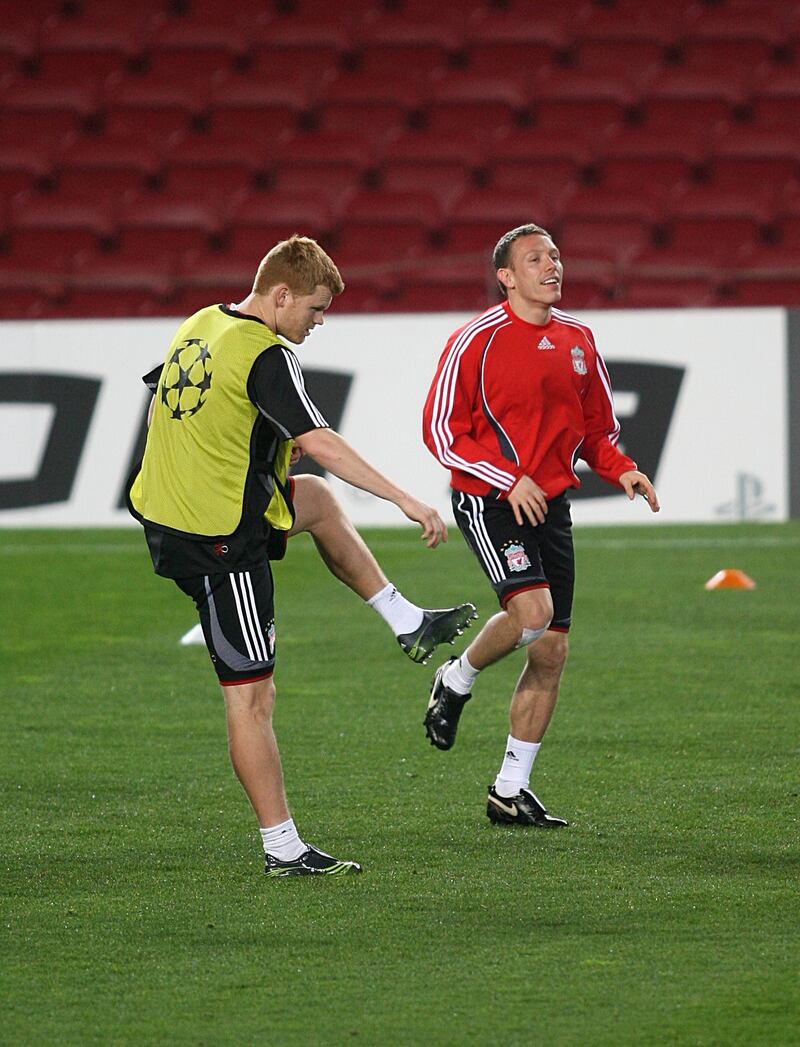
(187, 378)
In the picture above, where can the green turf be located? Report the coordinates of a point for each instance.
(134, 908)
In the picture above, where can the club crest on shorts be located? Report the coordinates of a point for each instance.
(271, 637)
(578, 360)
(516, 557)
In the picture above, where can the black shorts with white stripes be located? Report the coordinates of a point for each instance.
(516, 558)
(238, 619)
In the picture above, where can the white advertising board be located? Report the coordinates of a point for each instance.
(701, 396)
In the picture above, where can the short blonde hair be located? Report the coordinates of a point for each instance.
(301, 264)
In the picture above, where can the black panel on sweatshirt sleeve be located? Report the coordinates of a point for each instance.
(277, 388)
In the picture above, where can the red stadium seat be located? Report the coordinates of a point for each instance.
(769, 292)
(755, 202)
(554, 82)
(651, 144)
(86, 221)
(46, 130)
(636, 59)
(664, 292)
(24, 304)
(644, 205)
(52, 94)
(710, 241)
(742, 20)
(662, 24)
(260, 219)
(539, 146)
(512, 23)
(442, 164)
(151, 275)
(154, 222)
(114, 26)
(480, 217)
(606, 240)
(92, 154)
(461, 102)
(728, 87)
(368, 243)
(488, 58)
(660, 174)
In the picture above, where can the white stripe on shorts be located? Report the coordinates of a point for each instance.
(248, 617)
(474, 513)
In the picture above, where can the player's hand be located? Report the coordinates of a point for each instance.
(634, 482)
(528, 500)
(295, 455)
(434, 529)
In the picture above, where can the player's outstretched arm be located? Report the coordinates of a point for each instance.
(634, 482)
(335, 454)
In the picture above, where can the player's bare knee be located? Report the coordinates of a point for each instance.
(550, 655)
(534, 627)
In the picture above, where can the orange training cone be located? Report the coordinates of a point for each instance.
(730, 578)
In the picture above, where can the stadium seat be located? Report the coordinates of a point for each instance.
(421, 296)
(578, 145)
(479, 217)
(153, 222)
(259, 220)
(585, 293)
(613, 241)
(115, 27)
(199, 25)
(21, 303)
(637, 59)
(488, 58)
(108, 153)
(740, 58)
(79, 223)
(776, 113)
(784, 293)
(334, 163)
(442, 164)
(52, 94)
(643, 205)
(633, 20)
(415, 210)
(711, 241)
(414, 59)
(223, 275)
(660, 174)
(625, 145)
(511, 23)
(729, 87)
(664, 292)
(742, 20)
(153, 276)
(755, 202)
(557, 83)
(146, 124)
(90, 69)
(115, 303)
(381, 118)
(460, 101)
(46, 130)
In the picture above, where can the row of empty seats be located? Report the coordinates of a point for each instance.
(149, 155)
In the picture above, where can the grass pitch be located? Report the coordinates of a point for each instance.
(134, 907)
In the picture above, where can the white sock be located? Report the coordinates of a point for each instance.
(400, 614)
(282, 841)
(459, 676)
(515, 773)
